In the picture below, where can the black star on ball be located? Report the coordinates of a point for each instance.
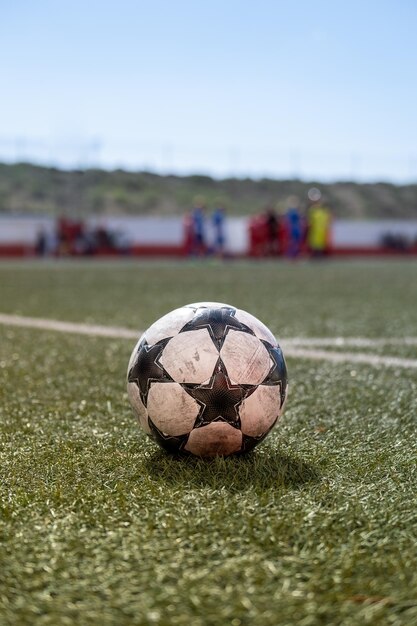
(249, 443)
(147, 369)
(277, 375)
(172, 444)
(219, 400)
(218, 322)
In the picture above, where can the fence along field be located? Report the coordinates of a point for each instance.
(165, 235)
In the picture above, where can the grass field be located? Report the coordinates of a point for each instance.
(99, 526)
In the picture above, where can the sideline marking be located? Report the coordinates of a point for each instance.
(349, 357)
(93, 330)
(351, 342)
(292, 347)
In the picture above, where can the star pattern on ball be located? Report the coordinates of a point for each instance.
(147, 368)
(249, 443)
(277, 375)
(219, 399)
(170, 443)
(218, 323)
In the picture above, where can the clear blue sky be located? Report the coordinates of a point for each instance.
(322, 89)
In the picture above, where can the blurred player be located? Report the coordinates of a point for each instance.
(294, 227)
(218, 221)
(199, 247)
(319, 221)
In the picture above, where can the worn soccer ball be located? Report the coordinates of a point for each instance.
(207, 379)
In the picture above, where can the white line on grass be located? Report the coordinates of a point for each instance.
(349, 357)
(351, 342)
(93, 330)
(290, 346)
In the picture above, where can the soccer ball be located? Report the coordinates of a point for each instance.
(207, 379)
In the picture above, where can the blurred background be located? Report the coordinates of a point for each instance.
(189, 128)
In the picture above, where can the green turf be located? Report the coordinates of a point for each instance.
(98, 526)
(358, 298)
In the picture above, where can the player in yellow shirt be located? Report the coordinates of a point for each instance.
(318, 232)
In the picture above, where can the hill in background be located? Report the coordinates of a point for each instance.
(30, 189)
